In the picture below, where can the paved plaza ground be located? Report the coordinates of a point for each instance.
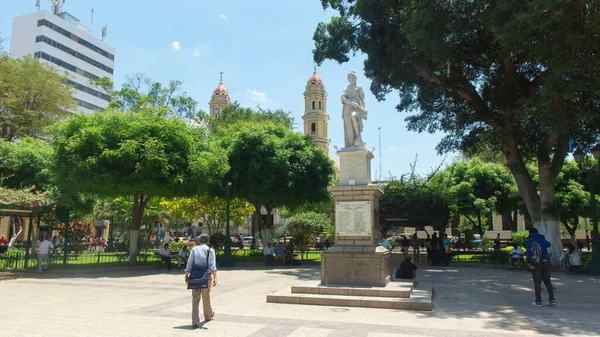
(145, 301)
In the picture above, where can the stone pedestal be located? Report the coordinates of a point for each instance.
(355, 166)
(356, 258)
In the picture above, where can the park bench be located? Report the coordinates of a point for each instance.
(160, 260)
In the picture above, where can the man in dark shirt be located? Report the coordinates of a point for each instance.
(407, 270)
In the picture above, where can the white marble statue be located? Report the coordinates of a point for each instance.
(353, 112)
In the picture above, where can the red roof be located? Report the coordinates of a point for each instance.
(315, 78)
(220, 89)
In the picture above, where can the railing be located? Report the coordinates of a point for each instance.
(101, 259)
(18, 260)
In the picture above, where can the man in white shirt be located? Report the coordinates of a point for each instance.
(165, 255)
(44, 254)
(516, 256)
(182, 255)
(200, 255)
(268, 253)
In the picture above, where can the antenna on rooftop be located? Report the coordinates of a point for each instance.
(37, 4)
(56, 5)
(104, 31)
(92, 17)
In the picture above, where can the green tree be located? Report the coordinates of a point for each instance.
(211, 211)
(305, 227)
(274, 167)
(32, 96)
(142, 155)
(484, 74)
(478, 189)
(234, 113)
(140, 93)
(25, 162)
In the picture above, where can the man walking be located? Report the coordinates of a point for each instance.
(539, 264)
(199, 256)
(44, 254)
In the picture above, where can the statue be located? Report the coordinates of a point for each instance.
(353, 112)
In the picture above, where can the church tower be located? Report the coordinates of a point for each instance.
(219, 99)
(315, 112)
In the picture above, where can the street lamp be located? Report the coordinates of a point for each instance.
(593, 267)
(227, 260)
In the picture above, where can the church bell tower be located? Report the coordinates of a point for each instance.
(219, 99)
(315, 112)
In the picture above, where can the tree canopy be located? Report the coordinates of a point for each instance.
(484, 74)
(141, 154)
(272, 166)
(234, 113)
(25, 163)
(32, 96)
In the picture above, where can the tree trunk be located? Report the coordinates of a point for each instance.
(256, 223)
(542, 209)
(139, 203)
(514, 224)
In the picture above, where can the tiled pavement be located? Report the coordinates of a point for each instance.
(148, 302)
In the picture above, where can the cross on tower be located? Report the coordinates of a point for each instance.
(221, 80)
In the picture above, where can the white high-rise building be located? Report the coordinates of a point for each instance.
(62, 41)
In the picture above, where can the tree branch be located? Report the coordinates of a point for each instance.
(465, 90)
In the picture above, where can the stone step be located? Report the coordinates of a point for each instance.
(394, 289)
(421, 299)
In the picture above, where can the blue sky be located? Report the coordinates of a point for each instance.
(264, 48)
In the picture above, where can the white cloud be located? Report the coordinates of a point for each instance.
(223, 17)
(175, 45)
(258, 97)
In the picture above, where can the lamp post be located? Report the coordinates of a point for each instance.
(227, 260)
(593, 267)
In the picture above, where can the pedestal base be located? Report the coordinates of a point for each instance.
(356, 265)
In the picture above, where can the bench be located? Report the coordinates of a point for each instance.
(160, 260)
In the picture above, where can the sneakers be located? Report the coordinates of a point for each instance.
(552, 303)
(537, 304)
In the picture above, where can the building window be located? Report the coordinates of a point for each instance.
(65, 65)
(68, 50)
(87, 105)
(313, 105)
(313, 127)
(89, 90)
(75, 38)
(320, 107)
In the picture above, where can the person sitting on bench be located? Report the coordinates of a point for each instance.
(182, 256)
(165, 255)
(268, 254)
(516, 256)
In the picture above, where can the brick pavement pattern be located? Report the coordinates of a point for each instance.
(145, 302)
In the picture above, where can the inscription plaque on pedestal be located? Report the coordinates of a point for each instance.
(353, 218)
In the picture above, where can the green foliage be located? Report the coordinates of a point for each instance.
(478, 189)
(520, 237)
(305, 227)
(415, 197)
(122, 153)
(139, 93)
(25, 162)
(274, 166)
(210, 210)
(32, 96)
(481, 72)
(28, 197)
(233, 114)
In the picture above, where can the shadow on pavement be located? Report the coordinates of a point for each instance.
(504, 298)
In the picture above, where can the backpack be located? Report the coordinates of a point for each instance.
(536, 254)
